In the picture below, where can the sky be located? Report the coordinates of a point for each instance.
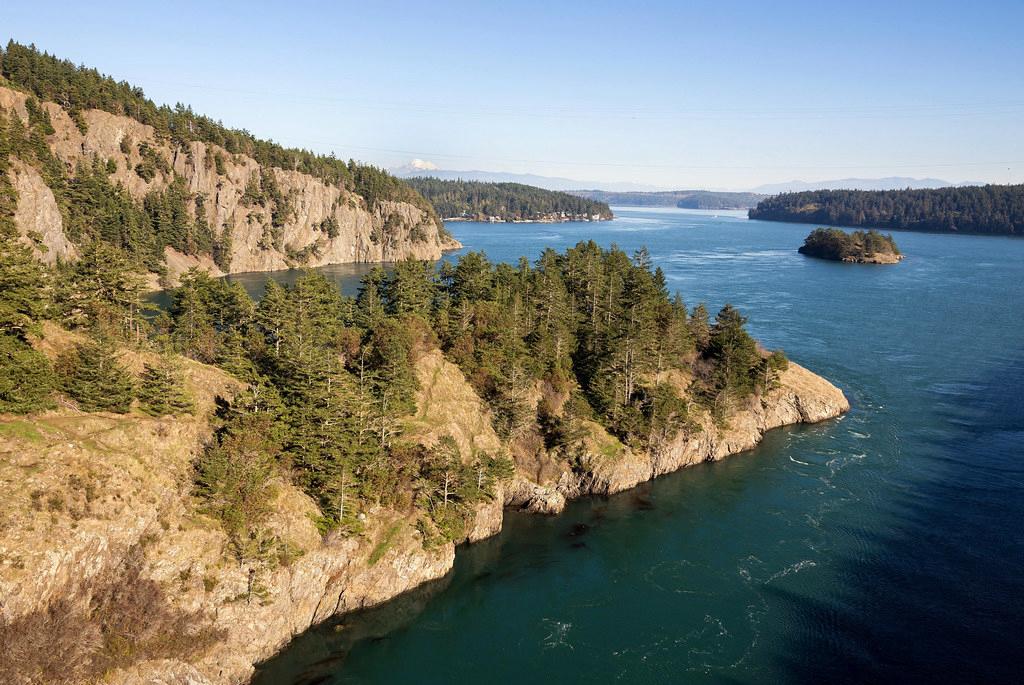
(672, 94)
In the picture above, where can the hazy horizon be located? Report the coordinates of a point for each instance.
(420, 167)
(700, 96)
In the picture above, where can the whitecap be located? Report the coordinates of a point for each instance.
(557, 637)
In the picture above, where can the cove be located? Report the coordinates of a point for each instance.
(883, 546)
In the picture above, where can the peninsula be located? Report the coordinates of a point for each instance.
(222, 478)
(859, 247)
(506, 202)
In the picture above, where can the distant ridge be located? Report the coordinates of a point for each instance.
(685, 199)
(886, 183)
(420, 168)
(423, 168)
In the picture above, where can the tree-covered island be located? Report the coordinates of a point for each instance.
(860, 247)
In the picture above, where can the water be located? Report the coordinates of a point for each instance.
(884, 546)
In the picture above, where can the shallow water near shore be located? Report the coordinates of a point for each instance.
(886, 545)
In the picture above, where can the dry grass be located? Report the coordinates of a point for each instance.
(446, 404)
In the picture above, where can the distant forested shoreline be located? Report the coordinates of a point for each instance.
(684, 199)
(481, 201)
(990, 209)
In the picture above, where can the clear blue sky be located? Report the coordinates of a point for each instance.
(683, 94)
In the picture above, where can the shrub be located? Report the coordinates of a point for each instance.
(112, 621)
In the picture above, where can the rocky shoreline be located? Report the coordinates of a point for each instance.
(877, 258)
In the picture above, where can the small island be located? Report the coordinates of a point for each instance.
(859, 247)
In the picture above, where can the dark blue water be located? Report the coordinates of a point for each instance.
(885, 546)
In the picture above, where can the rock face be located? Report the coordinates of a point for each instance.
(38, 217)
(220, 178)
(80, 490)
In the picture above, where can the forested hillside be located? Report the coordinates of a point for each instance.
(330, 378)
(991, 209)
(506, 201)
(684, 199)
(87, 158)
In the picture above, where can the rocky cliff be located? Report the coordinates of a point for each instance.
(85, 494)
(800, 397)
(359, 231)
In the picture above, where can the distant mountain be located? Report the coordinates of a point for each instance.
(419, 167)
(887, 183)
(686, 199)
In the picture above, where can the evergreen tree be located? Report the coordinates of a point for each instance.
(103, 291)
(209, 314)
(161, 391)
(410, 288)
(193, 332)
(271, 313)
(92, 376)
(370, 301)
(234, 478)
(735, 355)
(700, 327)
(26, 378)
(390, 376)
(24, 295)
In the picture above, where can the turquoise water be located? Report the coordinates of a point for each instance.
(883, 546)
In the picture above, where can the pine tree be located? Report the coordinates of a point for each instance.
(411, 288)
(271, 314)
(93, 377)
(700, 327)
(193, 333)
(734, 354)
(103, 291)
(24, 295)
(370, 300)
(234, 477)
(161, 390)
(26, 378)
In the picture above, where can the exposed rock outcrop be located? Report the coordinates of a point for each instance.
(388, 231)
(801, 397)
(38, 217)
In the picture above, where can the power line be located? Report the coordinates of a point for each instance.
(599, 111)
(630, 165)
